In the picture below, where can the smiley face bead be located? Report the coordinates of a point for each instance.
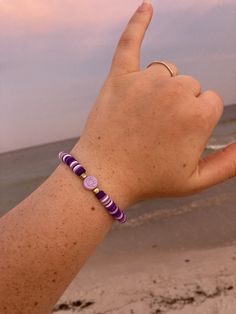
(90, 183)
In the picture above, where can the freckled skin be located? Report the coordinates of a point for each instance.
(50, 247)
(143, 118)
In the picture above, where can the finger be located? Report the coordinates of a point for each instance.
(189, 83)
(127, 55)
(213, 105)
(216, 168)
(159, 70)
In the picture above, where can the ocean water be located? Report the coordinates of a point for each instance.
(225, 132)
(22, 171)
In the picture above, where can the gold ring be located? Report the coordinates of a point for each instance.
(163, 63)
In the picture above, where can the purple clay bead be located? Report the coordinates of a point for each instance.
(73, 164)
(79, 171)
(76, 167)
(114, 211)
(124, 219)
(121, 217)
(61, 154)
(64, 156)
(111, 208)
(112, 204)
(117, 214)
(90, 183)
(69, 160)
(106, 200)
(100, 194)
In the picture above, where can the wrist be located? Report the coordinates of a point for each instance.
(108, 178)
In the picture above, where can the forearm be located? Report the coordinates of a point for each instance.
(46, 239)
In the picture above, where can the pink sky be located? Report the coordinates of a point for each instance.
(55, 55)
(45, 15)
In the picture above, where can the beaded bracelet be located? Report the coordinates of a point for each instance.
(91, 183)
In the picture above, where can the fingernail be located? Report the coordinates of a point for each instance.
(144, 6)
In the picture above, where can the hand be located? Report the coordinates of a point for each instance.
(149, 130)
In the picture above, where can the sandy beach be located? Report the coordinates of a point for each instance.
(177, 282)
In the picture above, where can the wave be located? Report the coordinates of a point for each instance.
(216, 146)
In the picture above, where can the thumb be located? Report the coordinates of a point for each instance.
(127, 55)
(217, 167)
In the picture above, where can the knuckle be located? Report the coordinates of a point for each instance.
(126, 41)
(217, 107)
(194, 81)
(136, 21)
(178, 87)
(118, 61)
(188, 80)
(190, 84)
(216, 98)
